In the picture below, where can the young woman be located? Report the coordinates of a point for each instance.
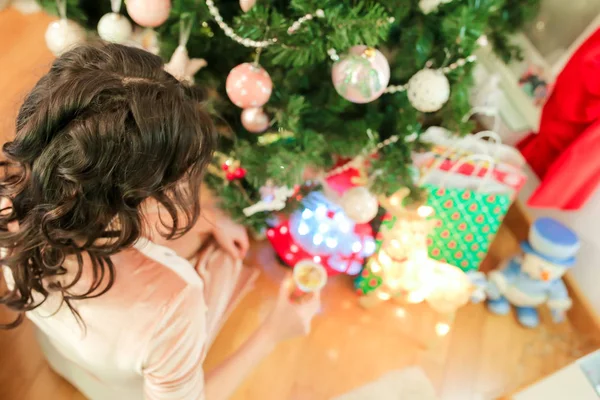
(101, 211)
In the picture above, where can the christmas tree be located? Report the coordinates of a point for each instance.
(305, 85)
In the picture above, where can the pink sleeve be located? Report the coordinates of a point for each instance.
(173, 364)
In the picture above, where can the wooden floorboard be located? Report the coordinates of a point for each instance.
(483, 356)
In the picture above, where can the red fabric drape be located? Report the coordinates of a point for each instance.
(565, 154)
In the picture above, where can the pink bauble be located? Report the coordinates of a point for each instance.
(149, 13)
(246, 5)
(248, 85)
(255, 120)
(361, 75)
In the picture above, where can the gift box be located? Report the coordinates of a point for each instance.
(320, 231)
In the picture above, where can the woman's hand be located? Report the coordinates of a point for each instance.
(290, 319)
(231, 236)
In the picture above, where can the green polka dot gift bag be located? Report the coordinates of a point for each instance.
(470, 198)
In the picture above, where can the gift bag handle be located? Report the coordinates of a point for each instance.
(469, 138)
(488, 112)
(472, 157)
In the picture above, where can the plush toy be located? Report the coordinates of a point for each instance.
(534, 278)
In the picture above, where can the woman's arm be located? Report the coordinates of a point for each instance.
(287, 320)
(223, 381)
(231, 236)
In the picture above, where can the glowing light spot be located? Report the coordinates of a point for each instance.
(415, 297)
(294, 248)
(395, 243)
(393, 283)
(303, 229)
(400, 312)
(395, 200)
(289, 256)
(384, 296)
(331, 242)
(424, 211)
(344, 226)
(369, 247)
(317, 259)
(321, 211)
(340, 217)
(356, 247)
(306, 214)
(283, 230)
(270, 233)
(317, 239)
(384, 259)
(442, 329)
(323, 228)
(375, 267)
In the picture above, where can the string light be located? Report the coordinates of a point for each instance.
(303, 229)
(400, 312)
(331, 242)
(317, 239)
(391, 89)
(424, 211)
(296, 25)
(384, 296)
(442, 328)
(459, 63)
(258, 44)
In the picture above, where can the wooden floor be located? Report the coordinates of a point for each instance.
(482, 357)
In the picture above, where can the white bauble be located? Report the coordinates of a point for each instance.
(63, 35)
(359, 204)
(26, 6)
(428, 90)
(114, 27)
(428, 6)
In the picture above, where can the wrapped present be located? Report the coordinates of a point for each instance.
(321, 231)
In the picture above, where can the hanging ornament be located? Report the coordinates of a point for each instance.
(255, 120)
(360, 205)
(114, 27)
(362, 75)
(428, 90)
(64, 34)
(233, 170)
(149, 13)
(144, 38)
(181, 66)
(249, 85)
(25, 6)
(246, 5)
(428, 6)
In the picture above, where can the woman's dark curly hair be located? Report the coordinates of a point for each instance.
(104, 130)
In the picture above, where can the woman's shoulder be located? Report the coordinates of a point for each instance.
(155, 270)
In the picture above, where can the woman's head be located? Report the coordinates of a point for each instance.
(104, 130)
